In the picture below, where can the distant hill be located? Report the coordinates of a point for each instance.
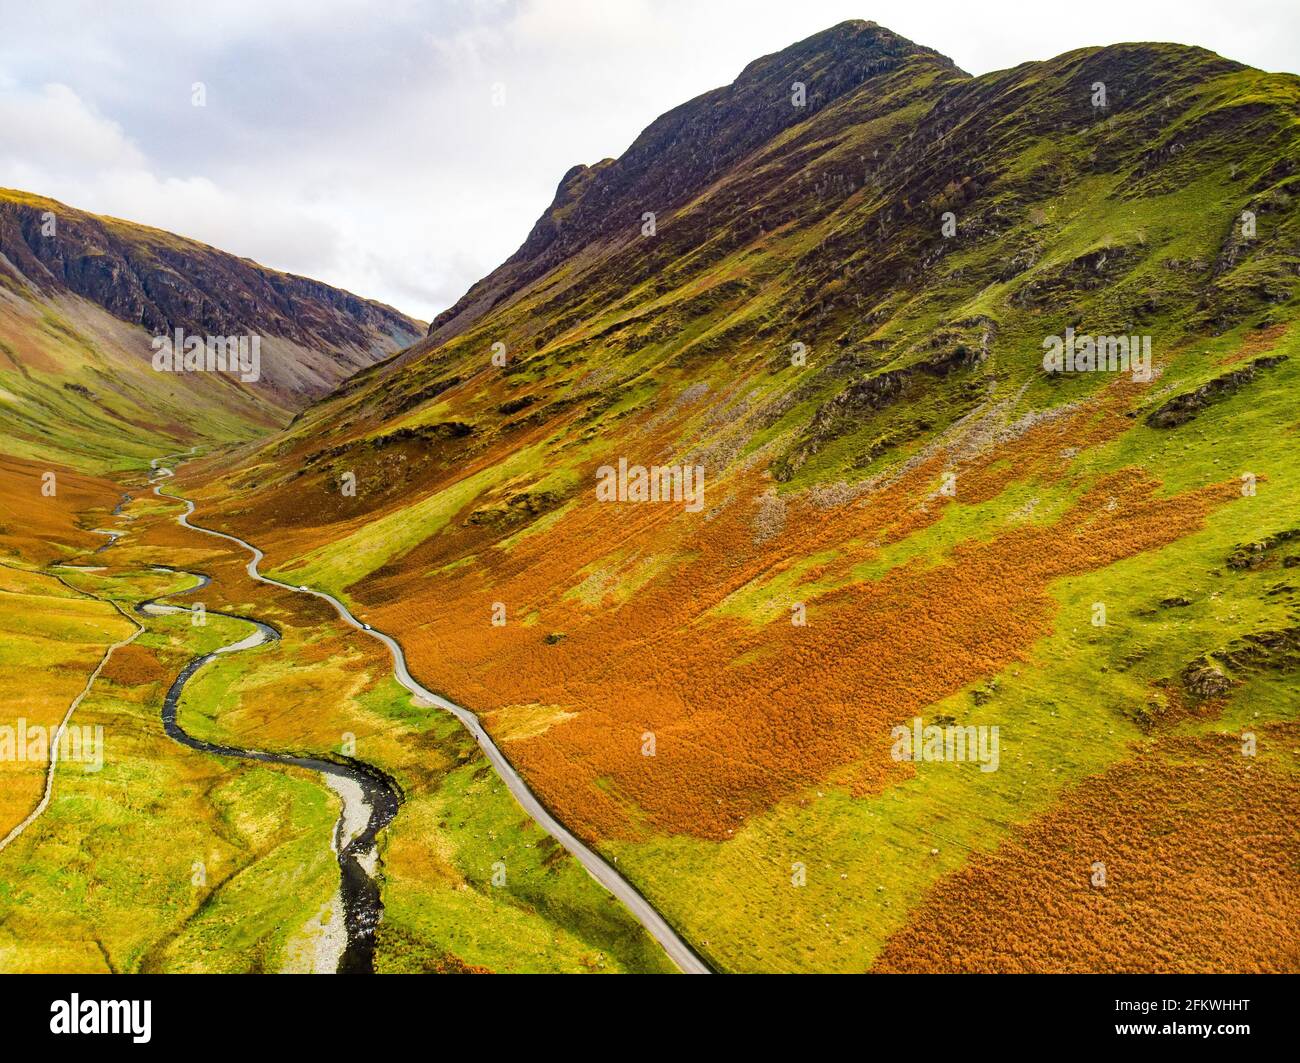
(81, 299)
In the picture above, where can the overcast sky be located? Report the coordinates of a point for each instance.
(358, 141)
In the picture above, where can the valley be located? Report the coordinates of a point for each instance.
(574, 630)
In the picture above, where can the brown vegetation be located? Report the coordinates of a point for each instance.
(1202, 865)
(746, 714)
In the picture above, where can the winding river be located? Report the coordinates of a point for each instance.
(369, 798)
(380, 795)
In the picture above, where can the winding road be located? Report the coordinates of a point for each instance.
(603, 872)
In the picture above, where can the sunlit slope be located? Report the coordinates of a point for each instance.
(248, 875)
(843, 325)
(51, 639)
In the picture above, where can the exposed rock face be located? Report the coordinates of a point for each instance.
(163, 282)
(1253, 555)
(685, 150)
(1205, 679)
(1182, 408)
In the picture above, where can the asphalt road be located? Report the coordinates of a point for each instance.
(600, 869)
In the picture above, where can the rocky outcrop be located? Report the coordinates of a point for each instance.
(163, 282)
(1256, 554)
(1182, 408)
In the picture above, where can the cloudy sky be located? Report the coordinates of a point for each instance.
(403, 148)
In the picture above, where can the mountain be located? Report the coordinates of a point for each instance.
(839, 316)
(689, 148)
(82, 298)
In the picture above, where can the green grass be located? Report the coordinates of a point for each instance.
(106, 876)
(860, 277)
(498, 892)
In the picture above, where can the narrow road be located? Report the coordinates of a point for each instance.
(57, 738)
(603, 872)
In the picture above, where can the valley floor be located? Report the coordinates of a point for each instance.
(1125, 826)
(156, 857)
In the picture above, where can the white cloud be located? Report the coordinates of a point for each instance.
(52, 127)
(56, 145)
(359, 144)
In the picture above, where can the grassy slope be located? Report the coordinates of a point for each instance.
(124, 413)
(458, 822)
(81, 866)
(1120, 221)
(1076, 706)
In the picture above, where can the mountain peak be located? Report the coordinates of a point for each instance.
(845, 42)
(679, 154)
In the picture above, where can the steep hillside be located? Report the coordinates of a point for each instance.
(82, 299)
(839, 314)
